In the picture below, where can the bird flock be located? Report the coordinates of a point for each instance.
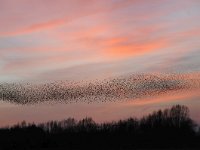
(121, 88)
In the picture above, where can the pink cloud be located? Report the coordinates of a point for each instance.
(57, 33)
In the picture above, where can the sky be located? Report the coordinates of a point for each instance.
(45, 41)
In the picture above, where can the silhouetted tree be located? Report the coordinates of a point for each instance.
(161, 129)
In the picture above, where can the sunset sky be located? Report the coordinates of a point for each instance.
(42, 41)
(77, 39)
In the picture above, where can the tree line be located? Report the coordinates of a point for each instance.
(168, 128)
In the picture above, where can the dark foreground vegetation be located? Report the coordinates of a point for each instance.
(167, 129)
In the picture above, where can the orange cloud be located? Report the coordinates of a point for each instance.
(118, 49)
(40, 26)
